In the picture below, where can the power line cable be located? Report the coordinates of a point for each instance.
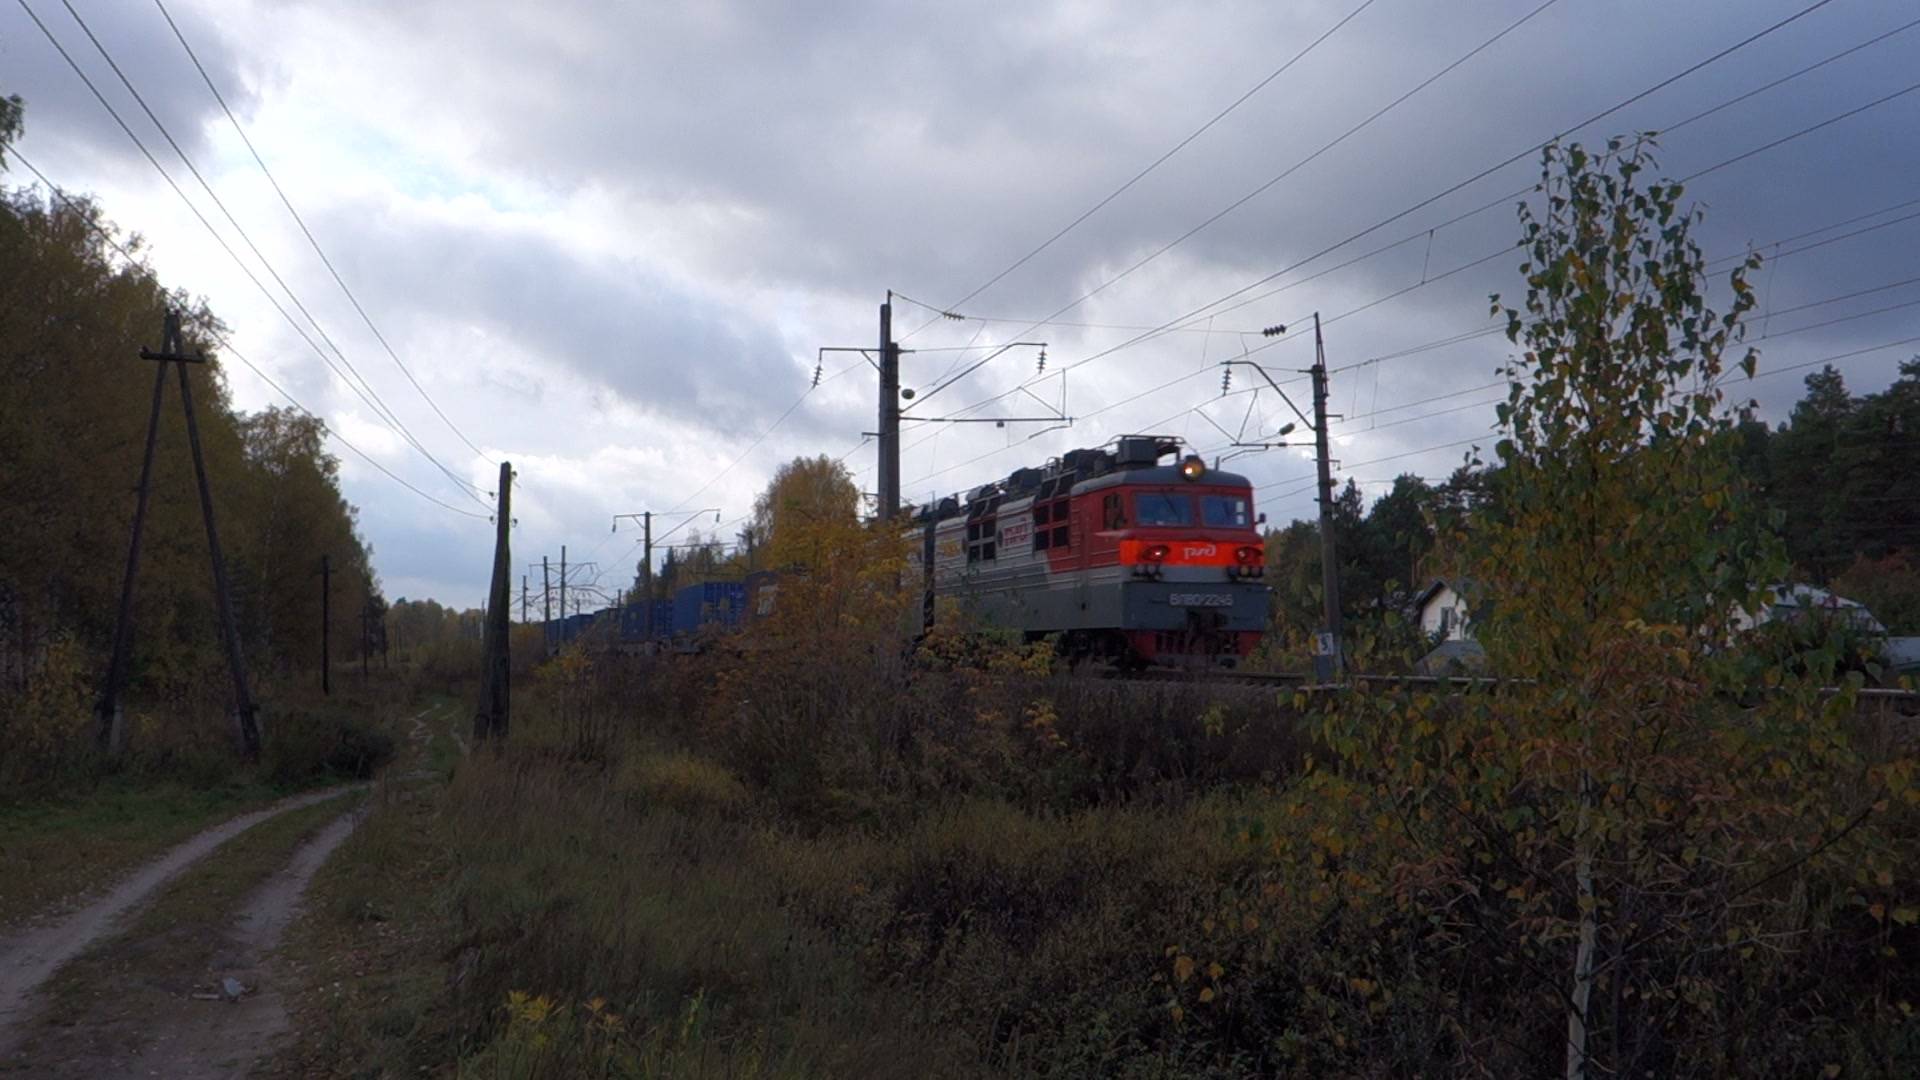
(1430, 200)
(1296, 166)
(222, 207)
(308, 233)
(1156, 163)
(466, 487)
(227, 345)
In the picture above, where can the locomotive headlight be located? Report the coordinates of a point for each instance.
(1247, 556)
(1157, 553)
(1192, 468)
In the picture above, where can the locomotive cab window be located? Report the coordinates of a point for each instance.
(1112, 514)
(1162, 508)
(1225, 511)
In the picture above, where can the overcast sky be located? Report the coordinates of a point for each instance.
(608, 239)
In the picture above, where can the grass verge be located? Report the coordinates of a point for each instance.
(53, 853)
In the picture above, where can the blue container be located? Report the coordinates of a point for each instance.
(711, 604)
(633, 621)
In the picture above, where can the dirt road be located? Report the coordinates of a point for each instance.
(174, 1022)
(29, 956)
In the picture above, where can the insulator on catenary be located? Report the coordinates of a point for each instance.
(1226, 380)
(1041, 370)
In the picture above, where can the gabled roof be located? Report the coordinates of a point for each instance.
(1461, 586)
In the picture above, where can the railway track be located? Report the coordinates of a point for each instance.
(1888, 698)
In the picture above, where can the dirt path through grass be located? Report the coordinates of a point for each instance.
(79, 1001)
(148, 1023)
(29, 956)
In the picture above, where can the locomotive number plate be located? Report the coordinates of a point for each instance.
(1190, 599)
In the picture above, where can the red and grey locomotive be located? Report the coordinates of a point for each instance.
(1121, 556)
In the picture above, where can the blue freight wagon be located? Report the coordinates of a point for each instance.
(633, 621)
(562, 631)
(712, 604)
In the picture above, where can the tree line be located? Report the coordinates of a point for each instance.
(1838, 480)
(74, 315)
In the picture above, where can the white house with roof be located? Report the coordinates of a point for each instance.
(1790, 602)
(1443, 612)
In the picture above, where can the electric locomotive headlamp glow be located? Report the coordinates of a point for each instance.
(1192, 468)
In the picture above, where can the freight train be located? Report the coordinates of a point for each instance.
(1125, 558)
(1120, 556)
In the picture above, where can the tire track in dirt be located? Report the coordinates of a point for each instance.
(30, 955)
(208, 1035)
(193, 1042)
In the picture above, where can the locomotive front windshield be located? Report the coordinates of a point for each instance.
(1225, 511)
(1161, 508)
(1176, 508)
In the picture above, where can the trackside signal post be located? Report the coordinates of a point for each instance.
(109, 713)
(1328, 662)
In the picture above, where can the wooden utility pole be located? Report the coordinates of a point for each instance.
(112, 723)
(563, 594)
(111, 726)
(926, 567)
(889, 475)
(1328, 661)
(326, 625)
(490, 720)
(546, 605)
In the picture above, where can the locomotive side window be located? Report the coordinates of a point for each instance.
(1050, 525)
(1224, 510)
(980, 539)
(1112, 516)
(1163, 508)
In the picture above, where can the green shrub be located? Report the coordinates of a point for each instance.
(304, 747)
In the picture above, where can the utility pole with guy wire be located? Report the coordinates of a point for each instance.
(109, 711)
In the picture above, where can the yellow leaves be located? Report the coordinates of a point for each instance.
(1215, 971)
(1878, 911)
(1906, 916)
(1179, 1013)
(1363, 987)
(1206, 995)
(1183, 968)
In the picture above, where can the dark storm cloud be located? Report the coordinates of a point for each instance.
(923, 145)
(827, 152)
(617, 323)
(62, 110)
